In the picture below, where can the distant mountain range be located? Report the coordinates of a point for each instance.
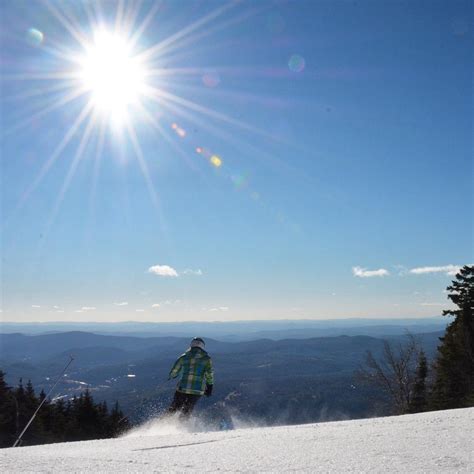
(282, 381)
(241, 330)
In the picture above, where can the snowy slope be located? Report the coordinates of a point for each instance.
(429, 442)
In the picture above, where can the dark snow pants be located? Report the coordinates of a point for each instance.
(184, 403)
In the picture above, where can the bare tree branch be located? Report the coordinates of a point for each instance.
(394, 373)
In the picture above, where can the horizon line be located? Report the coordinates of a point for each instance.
(226, 322)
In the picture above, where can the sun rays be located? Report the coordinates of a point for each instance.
(118, 83)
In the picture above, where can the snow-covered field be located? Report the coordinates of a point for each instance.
(429, 442)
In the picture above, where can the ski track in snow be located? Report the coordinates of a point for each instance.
(440, 441)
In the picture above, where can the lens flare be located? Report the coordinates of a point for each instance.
(216, 161)
(296, 63)
(34, 37)
(178, 130)
(211, 79)
(239, 181)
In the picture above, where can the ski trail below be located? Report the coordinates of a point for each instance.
(426, 442)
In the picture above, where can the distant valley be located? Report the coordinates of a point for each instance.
(277, 381)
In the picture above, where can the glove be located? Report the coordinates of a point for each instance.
(208, 391)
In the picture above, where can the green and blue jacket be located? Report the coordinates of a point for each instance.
(196, 371)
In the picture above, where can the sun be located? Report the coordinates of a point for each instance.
(112, 75)
(116, 80)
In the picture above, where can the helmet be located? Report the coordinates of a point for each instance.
(198, 342)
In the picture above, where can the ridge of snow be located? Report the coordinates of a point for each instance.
(439, 441)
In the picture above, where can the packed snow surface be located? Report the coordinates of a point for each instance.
(440, 441)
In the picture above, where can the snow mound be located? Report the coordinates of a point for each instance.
(426, 442)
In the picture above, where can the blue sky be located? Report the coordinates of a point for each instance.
(283, 160)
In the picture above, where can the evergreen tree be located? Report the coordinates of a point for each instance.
(26, 405)
(8, 413)
(70, 419)
(418, 398)
(30, 393)
(454, 367)
(22, 412)
(45, 418)
(87, 417)
(118, 422)
(78, 419)
(59, 420)
(104, 420)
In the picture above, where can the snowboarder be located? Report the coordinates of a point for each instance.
(197, 378)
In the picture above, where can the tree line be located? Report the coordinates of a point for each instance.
(410, 382)
(79, 418)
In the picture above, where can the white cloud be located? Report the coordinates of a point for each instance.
(122, 303)
(35, 306)
(447, 269)
(364, 273)
(140, 310)
(163, 270)
(220, 308)
(189, 271)
(169, 302)
(156, 305)
(88, 308)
